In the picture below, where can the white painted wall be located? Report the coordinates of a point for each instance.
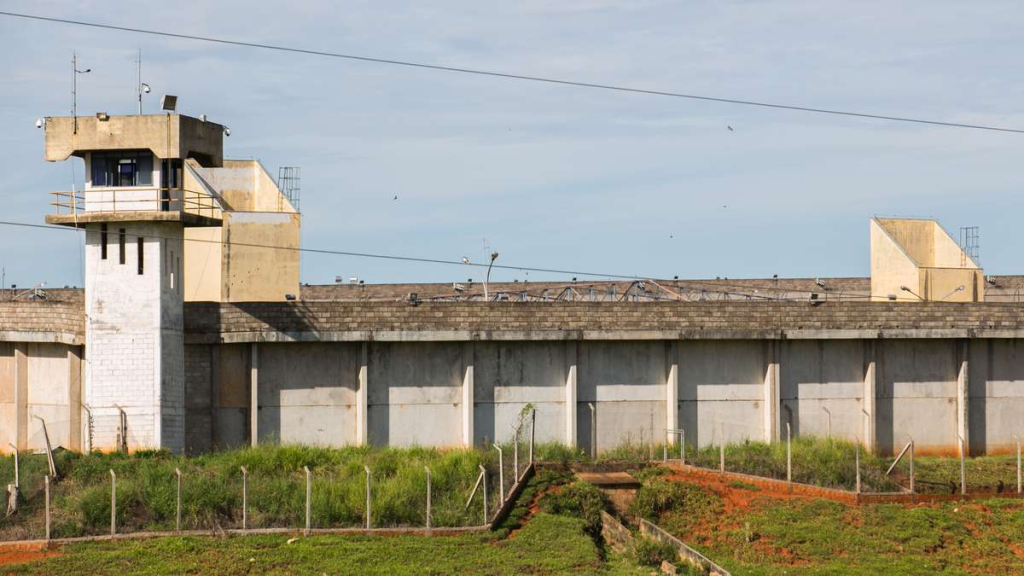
(135, 347)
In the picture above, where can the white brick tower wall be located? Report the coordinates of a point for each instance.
(134, 342)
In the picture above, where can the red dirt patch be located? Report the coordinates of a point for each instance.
(734, 497)
(16, 556)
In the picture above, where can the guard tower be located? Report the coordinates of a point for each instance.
(139, 199)
(916, 260)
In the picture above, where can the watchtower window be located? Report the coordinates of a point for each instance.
(111, 169)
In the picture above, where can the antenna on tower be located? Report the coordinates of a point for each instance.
(74, 90)
(140, 86)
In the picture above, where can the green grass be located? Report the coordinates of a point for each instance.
(984, 474)
(212, 489)
(212, 483)
(831, 463)
(548, 544)
(826, 462)
(816, 536)
(580, 500)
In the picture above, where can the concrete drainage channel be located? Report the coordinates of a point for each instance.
(620, 488)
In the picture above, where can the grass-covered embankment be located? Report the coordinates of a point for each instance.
(749, 532)
(831, 463)
(545, 534)
(212, 488)
(548, 544)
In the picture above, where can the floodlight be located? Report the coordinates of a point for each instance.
(168, 102)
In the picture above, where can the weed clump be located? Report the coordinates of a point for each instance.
(580, 500)
(675, 505)
(647, 552)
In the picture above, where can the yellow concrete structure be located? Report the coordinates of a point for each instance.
(917, 260)
(240, 232)
(253, 255)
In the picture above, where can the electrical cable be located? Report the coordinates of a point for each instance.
(512, 76)
(348, 253)
(692, 284)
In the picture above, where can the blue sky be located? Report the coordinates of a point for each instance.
(554, 176)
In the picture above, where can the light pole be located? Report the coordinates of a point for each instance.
(905, 289)
(954, 291)
(494, 256)
(74, 90)
(142, 88)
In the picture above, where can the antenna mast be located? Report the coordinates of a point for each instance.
(138, 84)
(74, 87)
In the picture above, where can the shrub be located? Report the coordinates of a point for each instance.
(579, 499)
(645, 474)
(649, 552)
(659, 496)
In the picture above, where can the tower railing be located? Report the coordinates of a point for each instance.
(135, 199)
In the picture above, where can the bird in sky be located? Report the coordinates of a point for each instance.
(730, 128)
(396, 197)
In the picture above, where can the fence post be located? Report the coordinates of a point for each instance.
(47, 507)
(1017, 440)
(515, 456)
(427, 468)
(857, 464)
(593, 430)
(789, 452)
(682, 447)
(17, 474)
(483, 472)
(49, 450)
(911, 466)
(113, 503)
(245, 498)
(309, 498)
(721, 457)
(369, 522)
(533, 430)
(963, 469)
(829, 420)
(501, 473)
(177, 513)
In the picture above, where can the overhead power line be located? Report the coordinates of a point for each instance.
(353, 254)
(511, 76)
(717, 285)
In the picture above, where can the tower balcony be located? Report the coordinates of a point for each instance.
(135, 204)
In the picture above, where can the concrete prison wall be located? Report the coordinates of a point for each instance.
(453, 374)
(878, 392)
